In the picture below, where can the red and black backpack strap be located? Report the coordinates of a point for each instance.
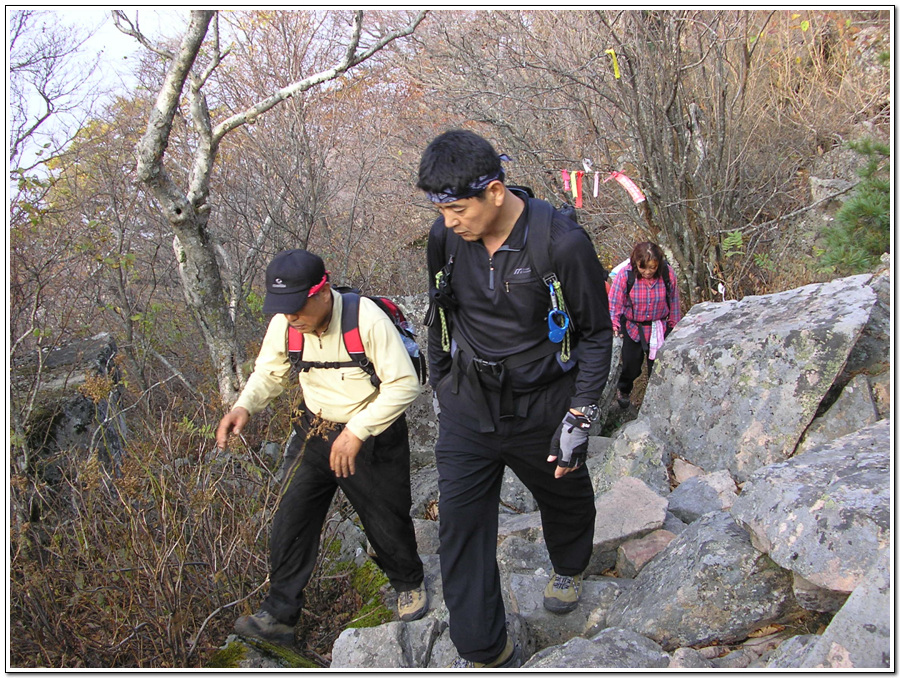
(352, 342)
(352, 338)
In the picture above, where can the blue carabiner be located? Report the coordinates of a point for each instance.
(558, 323)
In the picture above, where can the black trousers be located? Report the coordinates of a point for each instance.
(379, 491)
(470, 470)
(632, 363)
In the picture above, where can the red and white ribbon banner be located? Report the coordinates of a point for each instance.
(628, 185)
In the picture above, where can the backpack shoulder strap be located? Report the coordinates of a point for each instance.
(350, 335)
(350, 332)
(537, 244)
(538, 240)
(664, 272)
(295, 348)
(295, 340)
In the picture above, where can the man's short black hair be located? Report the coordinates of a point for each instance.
(454, 160)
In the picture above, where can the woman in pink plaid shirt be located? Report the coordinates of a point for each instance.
(648, 312)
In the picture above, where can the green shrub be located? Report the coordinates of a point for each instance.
(861, 232)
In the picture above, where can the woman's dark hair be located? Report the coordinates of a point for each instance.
(645, 252)
(456, 159)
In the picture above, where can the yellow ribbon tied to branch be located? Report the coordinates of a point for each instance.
(615, 60)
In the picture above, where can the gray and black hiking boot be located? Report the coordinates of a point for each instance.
(623, 399)
(510, 658)
(562, 593)
(264, 626)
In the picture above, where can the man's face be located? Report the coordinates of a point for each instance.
(471, 218)
(315, 314)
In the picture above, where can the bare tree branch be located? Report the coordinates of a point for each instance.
(124, 24)
(351, 58)
(47, 65)
(152, 146)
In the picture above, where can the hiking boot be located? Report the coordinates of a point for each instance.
(264, 626)
(624, 399)
(562, 593)
(510, 658)
(413, 604)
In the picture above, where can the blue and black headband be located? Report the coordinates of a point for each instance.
(473, 189)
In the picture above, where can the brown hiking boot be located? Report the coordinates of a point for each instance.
(510, 658)
(562, 593)
(412, 605)
(264, 626)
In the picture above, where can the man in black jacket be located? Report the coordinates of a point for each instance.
(507, 393)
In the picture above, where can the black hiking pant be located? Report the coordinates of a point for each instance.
(632, 362)
(470, 471)
(379, 491)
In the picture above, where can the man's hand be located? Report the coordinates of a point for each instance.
(233, 422)
(343, 454)
(569, 445)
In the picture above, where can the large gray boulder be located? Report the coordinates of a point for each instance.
(516, 554)
(629, 510)
(738, 382)
(609, 649)
(826, 513)
(859, 636)
(398, 644)
(708, 586)
(699, 495)
(637, 452)
(78, 408)
(526, 599)
(854, 409)
(425, 492)
(514, 495)
(872, 352)
(392, 645)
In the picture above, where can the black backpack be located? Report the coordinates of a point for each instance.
(353, 340)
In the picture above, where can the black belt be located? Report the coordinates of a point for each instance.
(499, 369)
(487, 366)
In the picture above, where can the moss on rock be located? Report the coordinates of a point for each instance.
(231, 656)
(228, 656)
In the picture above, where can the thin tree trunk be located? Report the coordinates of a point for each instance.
(188, 216)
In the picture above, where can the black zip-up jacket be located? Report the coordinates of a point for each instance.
(503, 305)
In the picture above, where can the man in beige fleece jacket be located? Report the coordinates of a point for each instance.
(350, 433)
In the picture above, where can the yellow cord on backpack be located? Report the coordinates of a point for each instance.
(445, 335)
(565, 349)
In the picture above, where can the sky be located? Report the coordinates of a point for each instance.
(117, 51)
(116, 47)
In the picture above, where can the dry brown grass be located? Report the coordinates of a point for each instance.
(148, 567)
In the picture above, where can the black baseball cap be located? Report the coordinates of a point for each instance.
(289, 278)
